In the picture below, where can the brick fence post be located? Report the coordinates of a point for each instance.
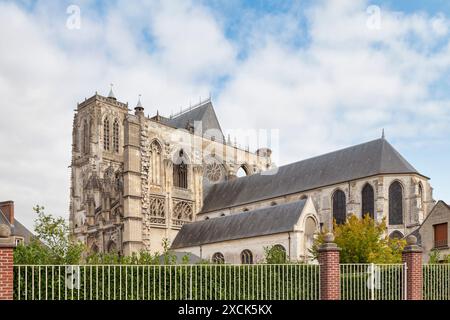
(412, 256)
(330, 288)
(6, 263)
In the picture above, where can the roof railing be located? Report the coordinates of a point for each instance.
(190, 108)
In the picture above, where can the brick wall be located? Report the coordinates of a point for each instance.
(329, 270)
(414, 277)
(6, 273)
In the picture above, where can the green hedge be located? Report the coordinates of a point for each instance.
(153, 282)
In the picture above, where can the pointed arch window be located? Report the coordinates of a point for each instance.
(395, 203)
(368, 201)
(106, 134)
(155, 158)
(180, 173)
(116, 136)
(86, 135)
(420, 200)
(339, 207)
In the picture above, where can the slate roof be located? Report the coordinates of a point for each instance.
(204, 113)
(193, 259)
(17, 229)
(21, 231)
(363, 160)
(3, 219)
(270, 220)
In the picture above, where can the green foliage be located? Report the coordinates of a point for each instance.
(141, 258)
(435, 257)
(158, 282)
(364, 241)
(51, 245)
(275, 255)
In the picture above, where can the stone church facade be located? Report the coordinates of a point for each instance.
(369, 178)
(136, 180)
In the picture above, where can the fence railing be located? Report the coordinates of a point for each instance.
(436, 282)
(373, 281)
(171, 282)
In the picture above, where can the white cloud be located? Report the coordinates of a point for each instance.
(341, 86)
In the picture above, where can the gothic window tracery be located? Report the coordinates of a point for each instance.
(246, 257)
(86, 135)
(106, 134)
(116, 136)
(218, 258)
(156, 210)
(368, 201)
(182, 212)
(339, 207)
(155, 158)
(395, 203)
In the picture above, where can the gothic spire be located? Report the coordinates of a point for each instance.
(139, 109)
(111, 93)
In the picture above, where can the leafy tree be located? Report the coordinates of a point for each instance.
(51, 245)
(363, 241)
(275, 255)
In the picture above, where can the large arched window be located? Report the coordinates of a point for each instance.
(339, 207)
(116, 136)
(180, 173)
(246, 257)
(395, 203)
(368, 201)
(155, 158)
(106, 134)
(218, 258)
(86, 135)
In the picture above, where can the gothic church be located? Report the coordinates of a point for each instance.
(138, 180)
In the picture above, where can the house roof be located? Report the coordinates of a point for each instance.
(363, 160)
(270, 220)
(416, 232)
(4, 219)
(204, 113)
(21, 231)
(17, 229)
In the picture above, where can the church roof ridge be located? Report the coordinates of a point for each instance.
(355, 162)
(191, 108)
(259, 222)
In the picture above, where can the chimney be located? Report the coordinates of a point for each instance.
(7, 207)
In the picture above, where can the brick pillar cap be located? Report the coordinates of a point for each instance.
(412, 246)
(329, 244)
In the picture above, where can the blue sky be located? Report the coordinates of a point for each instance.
(314, 70)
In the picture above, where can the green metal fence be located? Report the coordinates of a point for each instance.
(436, 282)
(171, 282)
(373, 281)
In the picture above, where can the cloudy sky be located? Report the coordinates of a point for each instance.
(326, 74)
